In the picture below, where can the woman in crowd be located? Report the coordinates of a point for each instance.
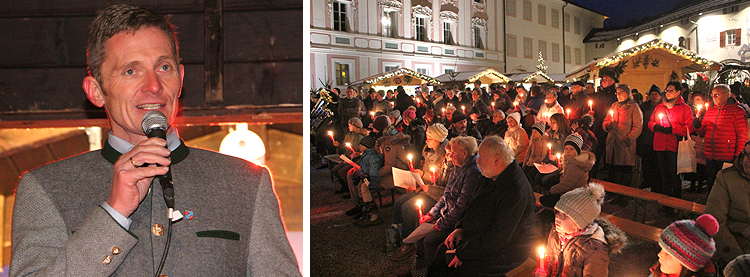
(516, 137)
(623, 125)
(671, 118)
(537, 151)
(558, 131)
(582, 127)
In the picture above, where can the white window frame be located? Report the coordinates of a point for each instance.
(388, 66)
(450, 18)
(350, 63)
(395, 8)
(425, 13)
(731, 37)
(479, 32)
(424, 69)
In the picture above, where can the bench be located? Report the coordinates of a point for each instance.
(635, 229)
(642, 196)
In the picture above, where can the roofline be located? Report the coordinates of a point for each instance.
(661, 19)
(582, 7)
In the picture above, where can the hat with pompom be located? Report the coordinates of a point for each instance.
(583, 204)
(690, 241)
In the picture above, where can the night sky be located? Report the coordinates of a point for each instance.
(620, 11)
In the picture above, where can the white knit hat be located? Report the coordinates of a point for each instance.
(437, 132)
(583, 204)
(515, 116)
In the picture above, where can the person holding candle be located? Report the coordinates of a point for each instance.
(501, 99)
(537, 152)
(686, 248)
(478, 105)
(497, 231)
(448, 116)
(404, 216)
(573, 172)
(602, 102)
(550, 107)
(424, 101)
(350, 106)
(645, 142)
(381, 104)
(674, 124)
(499, 124)
(438, 103)
(369, 162)
(724, 128)
(559, 129)
(623, 127)
(414, 128)
(356, 132)
(582, 239)
(698, 180)
(516, 138)
(579, 101)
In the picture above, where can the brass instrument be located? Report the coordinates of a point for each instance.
(320, 115)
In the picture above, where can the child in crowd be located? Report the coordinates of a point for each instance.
(573, 173)
(537, 151)
(516, 137)
(356, 132)
(368, 163)
(580, 243)
(686, 248)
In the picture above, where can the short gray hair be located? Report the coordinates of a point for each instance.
(467, 143)
(725, 88)
(496, 145)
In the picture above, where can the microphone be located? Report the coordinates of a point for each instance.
(155, 124)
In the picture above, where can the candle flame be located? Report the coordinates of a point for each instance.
(558, 155)
(549, 145)
(372, 113)
(541, 252)
(348, 144)
(591, 102)
(706, 104)
(611, 112)
(568, 111)
(330, 133)
(661, 115)
(515, 103)
(432, 169)
(419, 203)
(409, 157)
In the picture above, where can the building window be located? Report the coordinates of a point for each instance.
(555, 19)
(342, 74)
(732, 9)
(555, 52)
(566, 22)
(577, 25)
(542, 14)
(449, 70)
(423, 71)
(478, 37)
(730, 37)
(420, 30)
(543, 48)
(339, 17)
(527, 10)
(567, 54)
(511, 41)
(390, 67)
(578, 56)
(389, 24)
(447, 35)
(510, 8)
(528, 48)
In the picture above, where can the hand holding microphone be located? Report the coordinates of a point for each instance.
(134, 171)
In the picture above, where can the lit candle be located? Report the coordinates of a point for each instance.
(433, 178)
(661, 115)
(540, 263)
(419, 208)
(349, 145)
(611, 114)
(493, 105)
(515, 105)
(698, 110)
(568, 113)
(330, 134)
(392, 105)
(706, 104)
(549, 146)
(443, 112)
(411, 164)
(591, 104)
(558, 159)
(372, 115)
(463, 109)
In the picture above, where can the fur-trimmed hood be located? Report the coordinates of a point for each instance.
(585, 161)
(615, 238)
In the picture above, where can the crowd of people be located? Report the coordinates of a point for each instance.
(482, 153)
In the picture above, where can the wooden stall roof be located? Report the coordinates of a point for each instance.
(487, 76)
(400, 76)
(528, 77)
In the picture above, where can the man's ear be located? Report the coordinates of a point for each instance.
(93, 91)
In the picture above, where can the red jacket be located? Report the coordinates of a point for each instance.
(679, 117)
(725, 131)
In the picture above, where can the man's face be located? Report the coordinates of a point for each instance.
(654, 96)
(497, 117)
(698, 100)
(589, 88)
(475, 97)
(460, 126)
(576, 89)
(139, 74)
(450, 93)
(720, 97)
(458, 155)
(351, 93)
(380, 98)
(607, 81)
(550, 99)
(485, 162)
(389, 95)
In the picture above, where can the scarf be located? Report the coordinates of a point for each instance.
(590, 229)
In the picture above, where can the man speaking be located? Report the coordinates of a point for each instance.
(103, 213)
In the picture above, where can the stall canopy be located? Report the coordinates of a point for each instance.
(397, 77)
(654, 62)
(528, 77)
(489, 76)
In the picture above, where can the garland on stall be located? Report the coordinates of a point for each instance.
(488, 72)
(654, 44)
(402, 71)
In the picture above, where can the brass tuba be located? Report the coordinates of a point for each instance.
(320, 115)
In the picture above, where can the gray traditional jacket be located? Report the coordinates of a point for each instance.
(60, 229)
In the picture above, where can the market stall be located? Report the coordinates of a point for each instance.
(409, 79)
(467, 78)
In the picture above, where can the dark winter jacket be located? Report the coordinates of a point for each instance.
(585, 255)
(459, 191)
